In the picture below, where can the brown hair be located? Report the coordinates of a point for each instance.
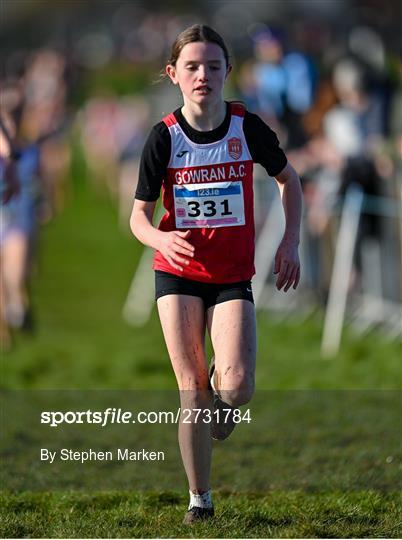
(193, 34)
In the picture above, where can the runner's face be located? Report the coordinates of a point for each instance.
(200, 72)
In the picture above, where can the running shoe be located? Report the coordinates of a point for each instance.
(197, 514)
(222, 422)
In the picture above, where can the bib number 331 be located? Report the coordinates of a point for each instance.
(209, 206)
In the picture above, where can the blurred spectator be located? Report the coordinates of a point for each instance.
(134, 118)
(112, 134)
(352, 128)
(97, 126)
(284, 85)
(270, 77)
(44, 120)
(247, 85)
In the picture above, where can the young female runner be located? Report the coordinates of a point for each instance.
(202, 155)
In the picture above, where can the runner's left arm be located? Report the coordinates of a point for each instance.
(287, 263)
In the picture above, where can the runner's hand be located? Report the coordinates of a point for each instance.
(287, 265)
(173, 245)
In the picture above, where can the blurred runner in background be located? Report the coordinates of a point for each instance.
(18, 227)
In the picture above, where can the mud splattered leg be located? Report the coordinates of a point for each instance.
(183, 324)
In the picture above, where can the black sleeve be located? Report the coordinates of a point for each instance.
(154, 160)
(263, 144)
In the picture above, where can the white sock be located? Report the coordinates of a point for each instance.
(212, 382)
(202, 501)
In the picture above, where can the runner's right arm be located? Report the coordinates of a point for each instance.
(171, 244)
(154, 159)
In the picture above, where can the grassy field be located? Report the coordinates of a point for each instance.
(251, 515)
(324, 483)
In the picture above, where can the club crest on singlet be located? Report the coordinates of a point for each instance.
(234, 147)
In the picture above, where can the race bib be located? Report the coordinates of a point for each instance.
(219, 204)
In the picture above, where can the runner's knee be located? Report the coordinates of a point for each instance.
(237, 397)
(239, 391)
